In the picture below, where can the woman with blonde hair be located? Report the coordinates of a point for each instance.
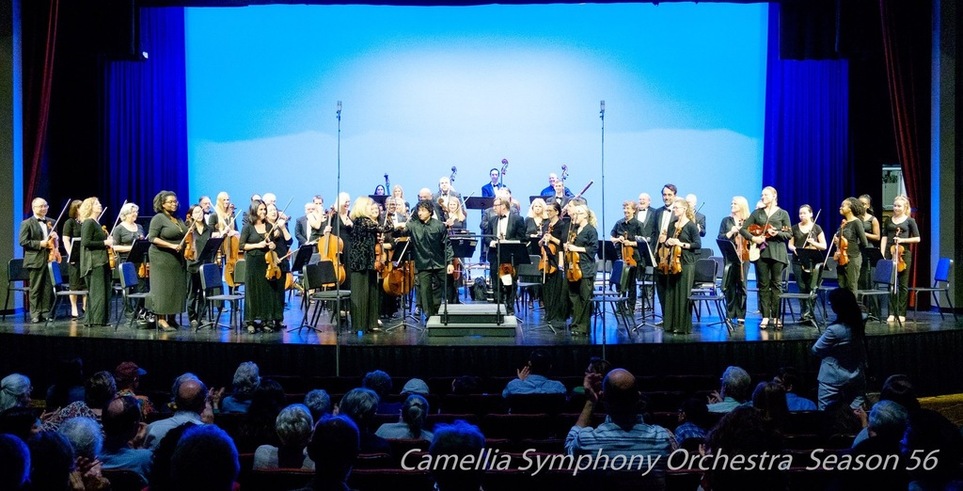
(683, 233)
(773, 253)
(94, 264)
(365, 291)
(583, 239)
(734, 280)
(533, 224)
(900, 230)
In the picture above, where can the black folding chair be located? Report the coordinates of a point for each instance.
(127, 272)
(211, 291)
(60, 289)
(15, 273)
(315, 276)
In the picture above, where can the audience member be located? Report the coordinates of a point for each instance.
(770, 399)
(693, 423)
(842, 373)
(596, 365)
(51, 461)
(735, 391)
(791, 383)
(127, 375)
(14, 391)
(68, 384)
(319, 402)
(414, 413)
(247, 379)
(257, 427)
(122, 425)
(190, 400)
(887, 423)
(380, 382)
(458, 439)
(361, 405)
(84, 435)
(897, 388)
(624, 432)
(205, 460)
(293, 426)
(21, 422)
(415, 386)
(14, 462)
(335, 443)
(744, 431)
(465, 384)
(160, 467)
(532, 377)
(98, 391)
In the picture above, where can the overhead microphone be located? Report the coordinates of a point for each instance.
(602, 108)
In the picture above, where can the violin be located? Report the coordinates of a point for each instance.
(54, 243)
(111, 253)
(896, 252)
(741, 247)
(756, 230)
(670, 257)
(628, 253)
(548, 249)
(573, 272)
(842, 253)
(331, 248)
(456, 273)
(190, 248)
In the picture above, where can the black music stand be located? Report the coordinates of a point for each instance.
(301, 259)
(400, 256)
(379, 198)
(648, 261)
(138, 251)
(513, 252)
(462, 246)
(479, 203)
(73, 253)
(210, 249)
(531, 199)
(608, 247)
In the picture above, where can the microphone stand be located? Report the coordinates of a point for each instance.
(604, 275)
(337, 286)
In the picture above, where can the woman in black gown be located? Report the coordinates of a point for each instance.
(168, 274)
(282, 245)
(71, 231)
(94, 264)
(260, 293)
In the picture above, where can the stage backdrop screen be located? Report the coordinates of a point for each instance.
(426, 89)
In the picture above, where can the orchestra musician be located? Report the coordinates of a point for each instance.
(278, 221)
(316, 221)
(555, 288)
(663, 217)
(852, 229)
(454, 214)
(433, 255)
(773, 257)
(585, 243)
(200, 232)
(379, 190)
(223, 220)
(683, 232)
(71, 231)
(168, 275)
(624, 233)
(533, 225)
(550, 190)
(398, 192)
(94, 264)
(806, 234)
(206, 206)
(560, 194)
(36, 237)
(504, 225)
(301, 224)
(871, 230)
(260, 293)
(125, 233)
(488, 190)
(341, 227)
(734, 280)
(445, 189)
(901, 230)
(645, 215)
(700, 219)
(365, 287)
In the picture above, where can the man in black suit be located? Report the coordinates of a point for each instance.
(507, 225)
(663, 217)
(35, 237)
(489, 190)
(301, 226)
(646, 216)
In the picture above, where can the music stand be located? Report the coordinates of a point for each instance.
(462, 247)
(138, 251)
(73, 253)
(301, 259)
(648, 260)
(479, 203)
(210, 249)
(507, 251)
(609, 250)
(404, 256)
(531, 199)
(379, 198)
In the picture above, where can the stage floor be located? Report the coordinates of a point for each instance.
(926, 347)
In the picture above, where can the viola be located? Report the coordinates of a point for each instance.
(573, 272)
(628, 253)
(143, 271)
(670, 257)
(456, 272)
(190, 248)
(330, 249)
(896, 252)
(842, 253)
(273, 271)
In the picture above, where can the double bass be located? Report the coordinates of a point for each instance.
(330, 247)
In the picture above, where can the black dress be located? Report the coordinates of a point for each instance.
(260, 293)
(678, 316)
(95, 269)
(72, 230)
(557, 305)
(168, 272)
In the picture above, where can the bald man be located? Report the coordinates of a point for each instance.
(192, 406)
(36, 236)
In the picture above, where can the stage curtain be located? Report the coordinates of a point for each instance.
(40, 21)
(905, 28)
(144, 123)
(806, 154)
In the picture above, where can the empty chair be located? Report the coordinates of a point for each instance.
(128, 282)
(941, 284)
(211, 288)
(16, 273)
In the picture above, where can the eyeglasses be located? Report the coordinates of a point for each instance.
(170, 202)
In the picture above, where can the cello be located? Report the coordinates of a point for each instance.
(330, 247)
(231, 249)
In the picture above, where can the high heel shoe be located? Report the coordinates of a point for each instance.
(250, 328)
(164, 326)
(764, 324)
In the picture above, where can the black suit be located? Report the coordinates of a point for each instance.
(515, 230)
(649, 224)
(301, 230)
(660, 222)
(700, 220)
(35, 262)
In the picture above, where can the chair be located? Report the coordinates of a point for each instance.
(529, 278)
(941, 284)
(60, 290)
(315, 275)
(786, 296)
(616, 298)
(240, 269)
(830, 280)
(704, 290)
(15, 273)
(211, 288)
(884, 280)
(129, 281)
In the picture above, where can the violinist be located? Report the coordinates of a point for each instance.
(663, 216)
(533, 225)
(734, 274)
(683, 237)
(806, 234)
(774, 224)
(700, 219)
(36, 237)
(200, 232)
(168, 275)
(71, 232)
(341, 224)
(504, 225)
(555, 289)
(872, 231)
(125, 233)
(260, 293)
(899, 231)
(552, 190)
(433, 255)
(624, 234)
(223, 220)
(646, 216)
(398, 193)
(852, 231)
(301, 224)
(94, 264)
(365, 287)
(584, 241)
(278, 222)
(455, 222)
